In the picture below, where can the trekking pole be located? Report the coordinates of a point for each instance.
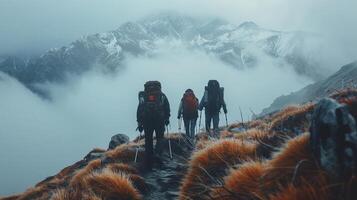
(226, 119)
(241, 116)
(170, 151)
(179, 125)
(137, 149)
(199, 124)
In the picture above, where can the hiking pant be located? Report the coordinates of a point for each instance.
(159, 129)
(190, 126)
(212, 117)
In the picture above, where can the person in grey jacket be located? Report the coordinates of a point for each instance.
(213, 101)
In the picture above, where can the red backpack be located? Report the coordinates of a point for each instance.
(190, 105)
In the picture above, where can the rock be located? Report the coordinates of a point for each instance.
(334, 138)
(117, 140)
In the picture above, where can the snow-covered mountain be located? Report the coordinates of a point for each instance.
(238, 45)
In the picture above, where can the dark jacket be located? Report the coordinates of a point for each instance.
(204, 103)
(143, 117)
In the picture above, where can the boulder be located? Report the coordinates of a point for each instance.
(334, 138)
(117, 140)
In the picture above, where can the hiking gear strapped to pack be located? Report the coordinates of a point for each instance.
(152, 103)
(189, 105)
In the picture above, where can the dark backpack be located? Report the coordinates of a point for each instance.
(214, 99)
(190, 105)
(152, 101)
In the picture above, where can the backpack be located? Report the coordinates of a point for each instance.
(152, 101)
(214, 96)
(190, 105)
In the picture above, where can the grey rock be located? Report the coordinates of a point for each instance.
(118, 140)
(334, 138)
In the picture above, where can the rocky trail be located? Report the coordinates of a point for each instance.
(165, 178)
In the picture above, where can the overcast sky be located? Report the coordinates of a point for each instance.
(32, 26)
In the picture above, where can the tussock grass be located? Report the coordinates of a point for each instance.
(291, 117)
(110, 185)
(38, 193)
(307, 191)
(124, 153)
(295, 165)
(212, 163)
(243, 183)
(77, 180)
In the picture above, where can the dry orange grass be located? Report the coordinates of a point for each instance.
(77, 180)
(10, 197)
(62, 194)
(259, 124)
(294, 164)
(132, 173)
(203, 141)
(38, 193)
(243, 183)
(252, 134)
(211, 163)
(124, 153)
(344, 93)
(281, 118)
(226, 134)
(110, 185)
(307, 191)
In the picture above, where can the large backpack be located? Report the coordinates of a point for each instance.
(152, 101)
(190, 105)
(214, 96)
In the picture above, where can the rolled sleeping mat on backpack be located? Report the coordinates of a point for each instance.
(152, 86)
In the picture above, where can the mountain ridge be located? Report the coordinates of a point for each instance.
(344, 77)
(107, 51)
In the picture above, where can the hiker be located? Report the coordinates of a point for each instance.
(153, 114)
(188, 110)
(213, 101)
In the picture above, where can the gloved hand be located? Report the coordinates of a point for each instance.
(178, 117)
(167, 122)
(225, 111)
(140, 128)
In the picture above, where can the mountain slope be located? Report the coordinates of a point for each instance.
(345, 77)
(238, 45)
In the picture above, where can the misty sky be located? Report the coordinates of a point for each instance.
(32, 26)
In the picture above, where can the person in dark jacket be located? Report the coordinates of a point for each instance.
(188, 110)
(153, 114)
(213, 101)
